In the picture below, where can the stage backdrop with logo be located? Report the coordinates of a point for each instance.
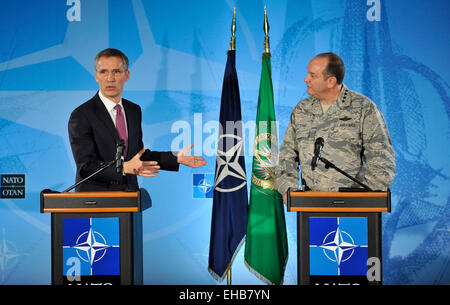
(396, 53)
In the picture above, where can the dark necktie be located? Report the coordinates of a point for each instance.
(121, 128)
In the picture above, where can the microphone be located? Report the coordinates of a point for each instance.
(120, 146)
(318, 145)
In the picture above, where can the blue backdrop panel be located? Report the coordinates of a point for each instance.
(395, 52)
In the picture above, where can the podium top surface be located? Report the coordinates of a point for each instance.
(91, 195)
(317, 201)
(339, 194)
(95, 202)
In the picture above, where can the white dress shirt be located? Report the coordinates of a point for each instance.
(109, 104)
(113, 112)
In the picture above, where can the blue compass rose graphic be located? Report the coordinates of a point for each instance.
(91, 246)
(341, 247)
(338, 246)
(94, 242)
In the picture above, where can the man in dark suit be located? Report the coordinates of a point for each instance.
(96, 127)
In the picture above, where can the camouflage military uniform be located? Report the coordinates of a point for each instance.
(356, 140)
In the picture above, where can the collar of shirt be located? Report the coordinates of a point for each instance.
(109, 104)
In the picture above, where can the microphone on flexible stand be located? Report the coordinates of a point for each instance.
(318, 145)
(120, 147)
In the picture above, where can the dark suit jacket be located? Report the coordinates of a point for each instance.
(93, 139)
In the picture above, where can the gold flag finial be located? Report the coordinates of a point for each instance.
(233, 31)
(266, 31)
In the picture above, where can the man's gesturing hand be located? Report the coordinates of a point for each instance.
(141, 168)
(185, 158)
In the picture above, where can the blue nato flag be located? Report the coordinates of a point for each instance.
(230, 200)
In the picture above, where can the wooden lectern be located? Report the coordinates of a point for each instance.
(96, 236)
(339, 236)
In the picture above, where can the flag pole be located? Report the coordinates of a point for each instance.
(233, 31)
(266, 212)
(230, 197)
(232, 48)
(266, 31)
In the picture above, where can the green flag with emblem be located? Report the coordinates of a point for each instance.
(266, 249)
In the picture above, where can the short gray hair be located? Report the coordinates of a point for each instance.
(110, 52)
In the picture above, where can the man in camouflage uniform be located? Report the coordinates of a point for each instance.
(355, 133)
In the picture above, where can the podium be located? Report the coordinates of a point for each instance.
(96, 237)
(339, 236)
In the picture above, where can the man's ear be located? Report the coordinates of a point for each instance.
(331, 81)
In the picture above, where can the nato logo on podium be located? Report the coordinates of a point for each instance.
(338, 246)
(91, 249)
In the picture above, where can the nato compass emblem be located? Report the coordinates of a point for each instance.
(203, 185)
(94, 242)
(9, 258)
(91, 246)
(230, 173)
(338, 246)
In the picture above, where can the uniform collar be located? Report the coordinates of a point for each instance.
(342, 101)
